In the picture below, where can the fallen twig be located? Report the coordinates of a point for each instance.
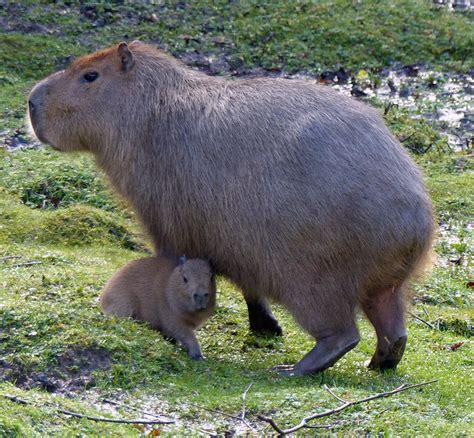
(334, 395)
(112, 402)
(89, 417)
(4, 259)
(422, 320)
(32, 263)
(225, 414)
(114, 420)
(344, 405)
(406, 137)
(123, 405)
(242, 416)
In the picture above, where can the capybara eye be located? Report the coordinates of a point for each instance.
(185, 279)
(90, 77)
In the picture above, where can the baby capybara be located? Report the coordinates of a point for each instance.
(175, 297)
(293, 191)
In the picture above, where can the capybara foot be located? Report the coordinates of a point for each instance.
(326, 353)
(389, 358)
(262, 320)
(196, 356)
(267, 326)
(284, 370)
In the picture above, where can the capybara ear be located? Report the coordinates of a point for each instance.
(182, 260)
(126, 56)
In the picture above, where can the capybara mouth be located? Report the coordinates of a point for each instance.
(34, 129)
(34, 125)
(201, 308)
(35, 132)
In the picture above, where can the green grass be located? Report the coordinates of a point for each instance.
(57, 211)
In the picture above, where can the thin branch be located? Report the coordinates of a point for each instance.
(113, 420)
(132, 408)
(244, 395)
(88, 417)
(406, 137)
(15, 399)
(4, 259)
(320, 426)
(32, 263)
(382, 412)
(225, 414)
(334, 395)
(422, 320)
(195, 429)
(341, 407)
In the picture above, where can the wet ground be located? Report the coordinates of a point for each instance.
(445, 99)
(74, 371)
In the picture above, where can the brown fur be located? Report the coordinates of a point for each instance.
(175, 298)
(296, 193)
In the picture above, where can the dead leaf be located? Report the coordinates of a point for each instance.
(455, 346)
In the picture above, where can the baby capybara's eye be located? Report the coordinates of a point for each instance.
(185, 279)
(90, 76)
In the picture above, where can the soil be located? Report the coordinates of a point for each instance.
(74, 371)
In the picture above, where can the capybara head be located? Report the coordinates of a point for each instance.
(78, 108)
(192, 282)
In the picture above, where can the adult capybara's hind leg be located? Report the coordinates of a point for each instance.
(327, 352)
(331, 323)
(385, 309)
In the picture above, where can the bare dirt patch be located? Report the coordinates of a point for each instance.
(74, 371)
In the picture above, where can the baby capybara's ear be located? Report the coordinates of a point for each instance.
(126, 56)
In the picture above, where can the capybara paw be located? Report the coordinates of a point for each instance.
(266, 326)
(196, 356)
(389, 359)
(284, 370)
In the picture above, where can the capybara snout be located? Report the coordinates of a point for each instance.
(200, 299)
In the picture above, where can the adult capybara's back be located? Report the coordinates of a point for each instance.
(293, 191)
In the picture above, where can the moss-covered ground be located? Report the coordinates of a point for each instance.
(63, 233)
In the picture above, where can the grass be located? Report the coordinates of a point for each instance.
(58, 211)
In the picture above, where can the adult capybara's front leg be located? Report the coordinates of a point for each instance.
(385, 309)
(261, 318)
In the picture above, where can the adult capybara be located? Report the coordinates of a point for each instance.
(175, 296)
(294, 192)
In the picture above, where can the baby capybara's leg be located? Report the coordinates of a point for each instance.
(261, 318)
(331, 324)
(385, 309)
(187, 338)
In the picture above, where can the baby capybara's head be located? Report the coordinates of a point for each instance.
(73, 109)
(193, 285)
